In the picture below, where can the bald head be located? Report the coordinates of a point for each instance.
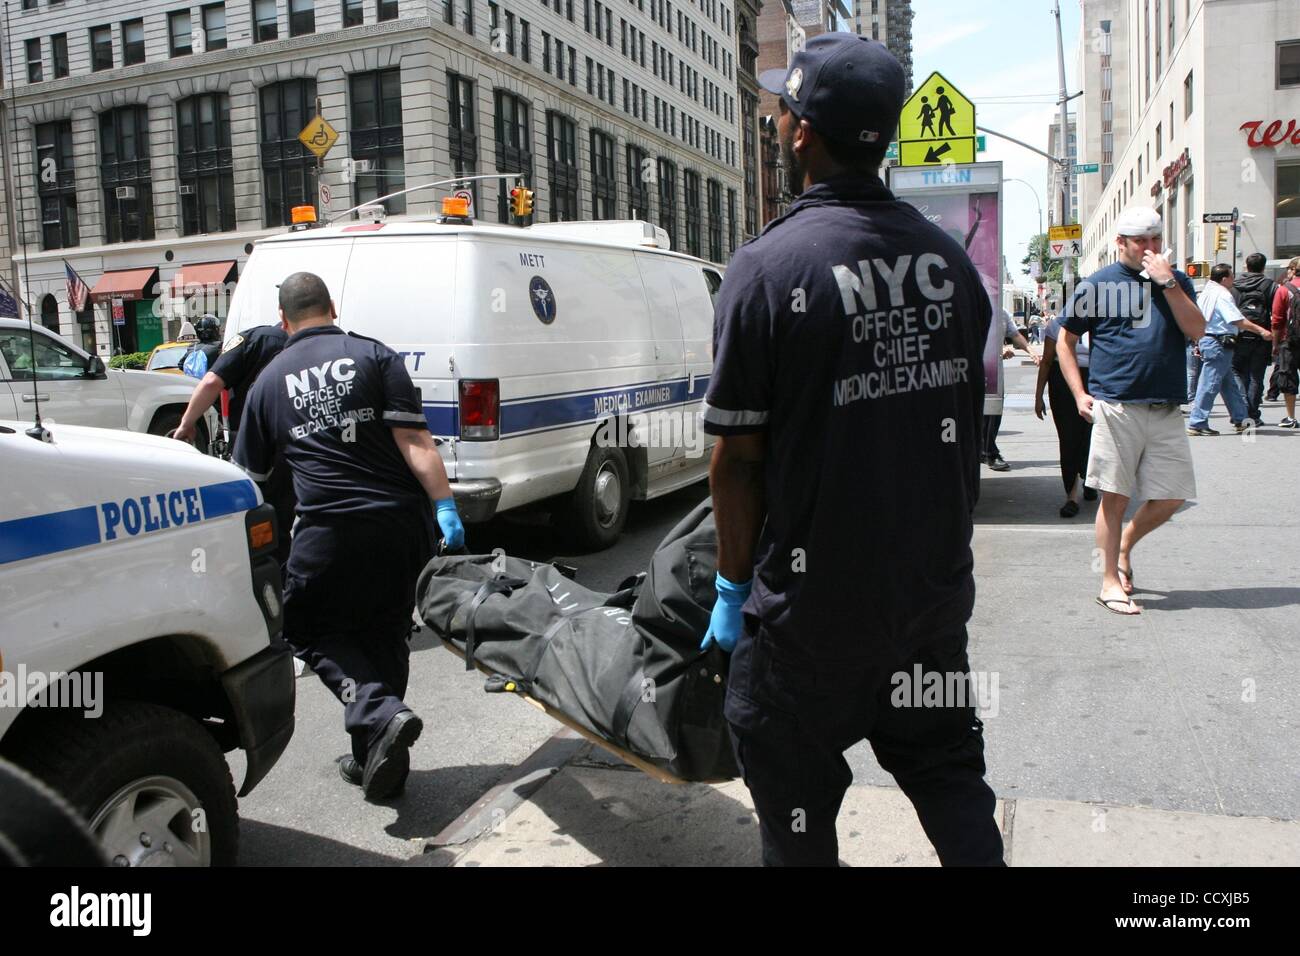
(304, 298)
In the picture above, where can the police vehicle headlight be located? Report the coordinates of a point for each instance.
(271, 600)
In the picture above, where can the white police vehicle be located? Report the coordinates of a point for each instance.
(142, 572)
(73, 387)
(562, 359)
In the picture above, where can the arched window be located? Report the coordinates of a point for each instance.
(50, 313)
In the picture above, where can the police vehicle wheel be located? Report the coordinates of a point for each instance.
(150, 781)
(598, 506)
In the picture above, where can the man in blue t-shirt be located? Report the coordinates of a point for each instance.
(847, 392)
(1139, 311)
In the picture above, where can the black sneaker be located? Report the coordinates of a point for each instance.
(350, 770)
(389, 760)
(1288, 422)
(1201, 432)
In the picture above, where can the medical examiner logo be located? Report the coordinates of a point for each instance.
(542, 300)
(80, 690)
(922, 688)
(76, 909)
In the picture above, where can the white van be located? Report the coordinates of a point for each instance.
(558, 359)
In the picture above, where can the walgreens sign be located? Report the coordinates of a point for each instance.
(1259, 136)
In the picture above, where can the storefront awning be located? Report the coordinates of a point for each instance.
(199, 276)
(125, 284)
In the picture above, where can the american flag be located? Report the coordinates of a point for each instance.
(78, 291)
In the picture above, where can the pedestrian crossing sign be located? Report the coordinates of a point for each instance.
(937, 126)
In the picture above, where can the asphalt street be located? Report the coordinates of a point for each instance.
(1188, 708)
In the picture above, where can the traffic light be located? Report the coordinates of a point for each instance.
(1220, 238)
(1198, 270)
(521, 201)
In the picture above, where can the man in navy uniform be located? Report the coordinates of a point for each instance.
(848, 395)
(340, 412)
(236, 368)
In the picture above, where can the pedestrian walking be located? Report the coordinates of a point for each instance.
(1254, 292)
(340, 412)
(991, 455)
(1223, 321)
(844, 476)
(1073, 432)
(1286, 339)
(1138, 311)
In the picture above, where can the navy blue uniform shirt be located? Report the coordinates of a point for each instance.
(851, 331)
(242, 359)
(1137, 352)
(326, 404)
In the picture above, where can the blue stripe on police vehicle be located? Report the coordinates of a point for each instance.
(120, 519)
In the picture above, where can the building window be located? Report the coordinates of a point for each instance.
(354, 13)
(691, 185)
(206, 167)
(1159, 134)
(525, 53)
(264, 23)
(288, 168)
(731, 221)
(302, 17)
(1187, 96)
(101, 48)
(1287, 212)
(376, 135)
(388, 11)
(462, 137)
(667, 176)
(1159, 47)
(514, 146)
(56, 185)
(178, 33)
(34, 74)
(639, 177)
(124, 171)
(562, 159)
(715, 220)
(1288, 63)
(50, 313)
(132, 42)
(59, 54)
(214, 26)
(604, 185)
(546, 52)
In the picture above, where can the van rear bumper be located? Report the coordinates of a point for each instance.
(476, 500)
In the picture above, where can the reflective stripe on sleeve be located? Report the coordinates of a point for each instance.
(728, 418)
(413, 417)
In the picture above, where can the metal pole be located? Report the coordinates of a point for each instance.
(1067, 263)
(320, 170)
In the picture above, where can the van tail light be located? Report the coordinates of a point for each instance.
(480, 409)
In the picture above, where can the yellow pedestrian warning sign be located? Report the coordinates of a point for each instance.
(319, 136)
(937, 126)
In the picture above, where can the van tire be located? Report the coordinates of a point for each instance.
(166, 422)
(597, 509)
(155, 752)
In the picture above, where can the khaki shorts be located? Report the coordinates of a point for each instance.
(1141, 451)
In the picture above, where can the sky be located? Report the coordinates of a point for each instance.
(1002, 55)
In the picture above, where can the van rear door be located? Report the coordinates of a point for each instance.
(257, 296)
(401, 290)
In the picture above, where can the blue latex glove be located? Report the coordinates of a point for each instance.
(726, 623)
(449, 521)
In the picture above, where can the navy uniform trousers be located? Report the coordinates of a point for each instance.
(349, 592)
(791, 724)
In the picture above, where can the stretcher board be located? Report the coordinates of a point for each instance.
(663, 776)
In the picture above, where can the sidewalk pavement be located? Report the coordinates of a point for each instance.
(592, 810)
(1166, 739)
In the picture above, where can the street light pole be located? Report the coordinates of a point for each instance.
(1066, 263)
(1041, 238)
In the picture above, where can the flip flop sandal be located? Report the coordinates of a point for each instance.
(1069, 509)
(1132, 585)
(1128, 602)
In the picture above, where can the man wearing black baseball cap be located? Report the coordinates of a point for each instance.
(848, 394)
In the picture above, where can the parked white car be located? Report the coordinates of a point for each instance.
(74, 388)
(138, 639)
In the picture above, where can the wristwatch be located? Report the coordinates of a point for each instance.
(1172, 281)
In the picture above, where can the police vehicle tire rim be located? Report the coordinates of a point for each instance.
(609, 495)
(149, 822)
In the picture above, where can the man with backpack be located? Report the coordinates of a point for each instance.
(1254, 293)
(203, 353)
(1286, 340)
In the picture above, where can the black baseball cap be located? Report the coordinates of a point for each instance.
(849, 88)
